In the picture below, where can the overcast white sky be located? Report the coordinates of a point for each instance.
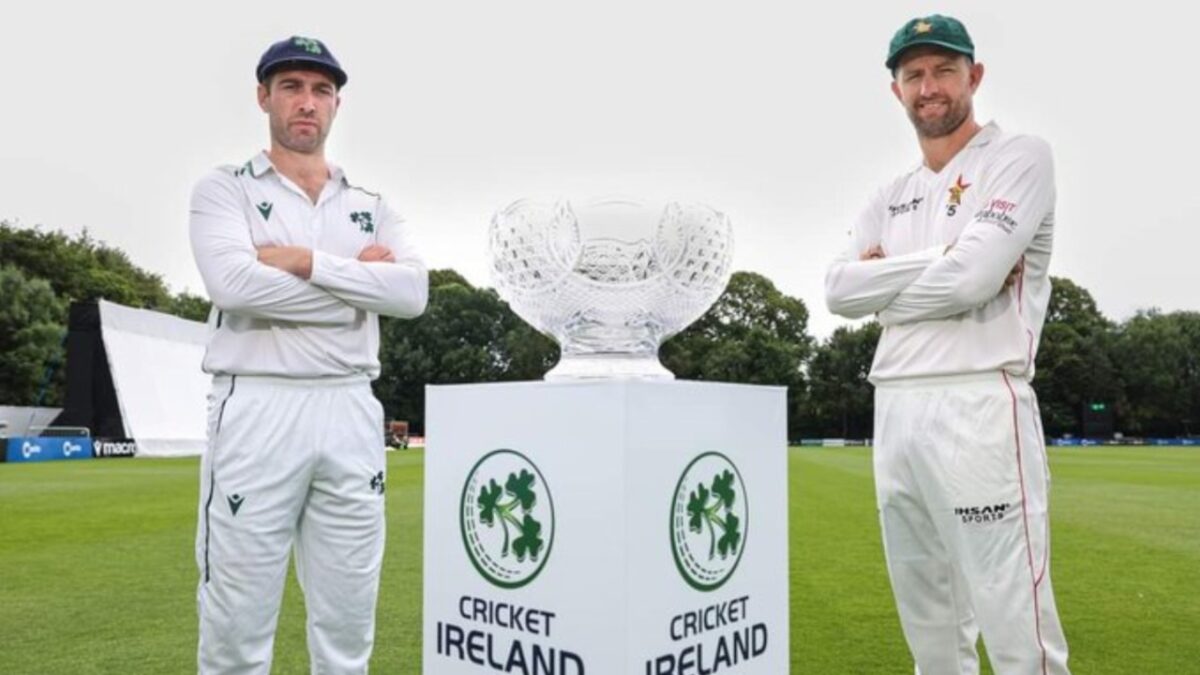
(777, 113)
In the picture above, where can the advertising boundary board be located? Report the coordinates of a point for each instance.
(103, 448)
(47, 448)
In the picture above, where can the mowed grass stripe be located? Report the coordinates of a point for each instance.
(1126, 547)
(97, 573)
(839, 584)
(95, 565)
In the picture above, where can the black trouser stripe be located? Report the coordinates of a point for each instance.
(212, 472)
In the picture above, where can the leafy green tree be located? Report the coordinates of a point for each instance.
(188, 306)
(466, 334)
(32, 327)
(445, 277)
(841, 400)
(753, 334)
(1158, 357)
(1074, 361)
(73, 269)
(81, 268)
(527, 354)
(1073, 305)
(455, 340)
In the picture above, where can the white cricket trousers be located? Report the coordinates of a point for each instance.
(961, 480)
(291, 463)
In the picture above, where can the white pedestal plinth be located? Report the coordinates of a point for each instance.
(608, 528)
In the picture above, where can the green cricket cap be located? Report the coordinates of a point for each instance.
(935, 29)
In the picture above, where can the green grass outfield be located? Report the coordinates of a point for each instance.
(97, 573)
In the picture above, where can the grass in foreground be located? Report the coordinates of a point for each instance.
(97, 573)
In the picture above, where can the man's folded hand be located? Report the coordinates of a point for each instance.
(295, 260)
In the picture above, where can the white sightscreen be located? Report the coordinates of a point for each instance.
(25, 421)
(155, 363)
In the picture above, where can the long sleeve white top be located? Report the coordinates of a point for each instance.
(269, 322)
(950, 239)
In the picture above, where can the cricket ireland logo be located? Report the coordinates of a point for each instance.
(709, 521)
(307, 44)
(507, 518)
(364, 221)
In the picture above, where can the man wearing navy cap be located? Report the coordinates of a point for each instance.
(952, 257)
(299, 262)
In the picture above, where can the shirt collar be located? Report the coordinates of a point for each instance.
(260, 164)
(337, 175)
(984, 135)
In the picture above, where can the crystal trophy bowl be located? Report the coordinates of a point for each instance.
(610, 280)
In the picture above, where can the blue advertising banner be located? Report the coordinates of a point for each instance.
(1087, 442)
(45, 448)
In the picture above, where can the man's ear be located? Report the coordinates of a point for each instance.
(976, 76)
(263, 94)
(896, 91)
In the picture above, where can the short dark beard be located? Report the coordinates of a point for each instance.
(954, 118)
(280, 135)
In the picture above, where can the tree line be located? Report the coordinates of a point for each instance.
(1146, 370)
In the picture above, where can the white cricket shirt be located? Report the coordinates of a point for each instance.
(268, 322)
(945, 312)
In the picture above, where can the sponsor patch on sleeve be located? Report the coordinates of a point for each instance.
(999, 213)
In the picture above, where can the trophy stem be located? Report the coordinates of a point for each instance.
(619, 366)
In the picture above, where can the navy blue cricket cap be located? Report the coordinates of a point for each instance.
(300, 53)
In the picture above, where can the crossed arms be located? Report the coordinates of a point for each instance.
(944, 281)
(291, 283)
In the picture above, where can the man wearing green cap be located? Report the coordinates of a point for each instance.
(952, 257)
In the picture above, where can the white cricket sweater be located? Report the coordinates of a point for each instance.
(268, 322)
(945, 311)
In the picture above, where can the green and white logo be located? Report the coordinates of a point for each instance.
(364, 221)
(507, 518)
(307, 44)
(709, 521)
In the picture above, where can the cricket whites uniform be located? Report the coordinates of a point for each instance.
(961, 473)
(295, 453)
